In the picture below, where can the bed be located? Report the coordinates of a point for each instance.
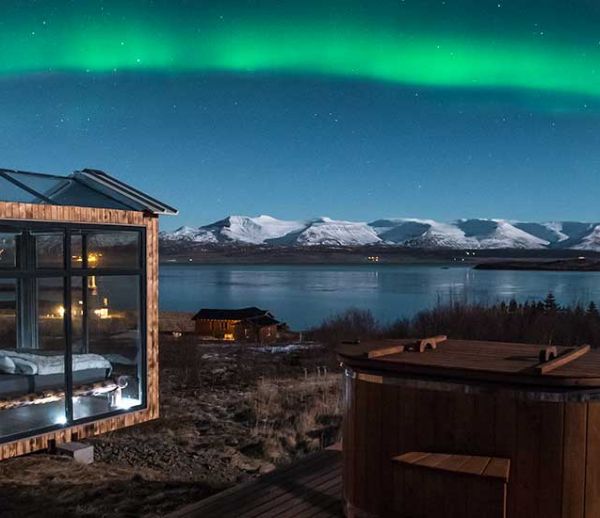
(27, 372)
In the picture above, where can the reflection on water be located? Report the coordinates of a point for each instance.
(304, 295)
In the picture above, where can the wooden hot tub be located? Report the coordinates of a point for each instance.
(515, 404)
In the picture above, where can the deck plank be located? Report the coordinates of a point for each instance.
(309, 487)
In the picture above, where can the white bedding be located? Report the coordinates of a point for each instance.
(14, 362)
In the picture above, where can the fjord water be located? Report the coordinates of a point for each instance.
(303, 295)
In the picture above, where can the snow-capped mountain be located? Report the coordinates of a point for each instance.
(326, 231)
(197, 235)
(423, 233)
(591, 241)
(255, 231)
(410, 232)
(498, 233)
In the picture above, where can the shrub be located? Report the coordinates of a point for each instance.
(353, 324)
(541, 323)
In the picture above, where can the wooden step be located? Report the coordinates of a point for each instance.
(464, 464)
(436, 485)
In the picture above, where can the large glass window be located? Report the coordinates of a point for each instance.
(8, 313)
(49, 250)
(113, 250)
(8, 250)
(114, 334)
(71, 337)
(50, 314)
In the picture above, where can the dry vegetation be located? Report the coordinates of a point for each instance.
(543, 322)
(228, 413)
(232, 412)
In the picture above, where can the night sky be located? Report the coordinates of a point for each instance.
(354, 110)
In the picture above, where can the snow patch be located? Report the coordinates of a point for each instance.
(412, 232)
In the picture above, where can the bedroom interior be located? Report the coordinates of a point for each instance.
(78, 307)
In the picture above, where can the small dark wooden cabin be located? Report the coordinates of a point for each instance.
(78, 307)
(241, 325)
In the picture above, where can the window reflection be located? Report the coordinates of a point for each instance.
(76, 250)
(8, 313)
(113, 250)
(115, 336)
(50, 314)
(49, 250)
(32, 380)
(8, 250)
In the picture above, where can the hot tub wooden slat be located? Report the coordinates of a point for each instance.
(574, 453)
(361, 431)
(385, 351)
(375, 424)
(526, 460)
(348, 433)
(475, 465)
(498, 468)
(563, 359)
(390, 438)
(592, 479)
(551, 459)
(456, 462)
(494, 467)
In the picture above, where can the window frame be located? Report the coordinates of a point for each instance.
(30, 271)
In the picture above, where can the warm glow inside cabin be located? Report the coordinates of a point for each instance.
(78, 307)
(242, 325)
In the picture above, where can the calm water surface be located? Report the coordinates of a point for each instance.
(303, 295)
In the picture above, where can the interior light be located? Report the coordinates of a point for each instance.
(128, 402)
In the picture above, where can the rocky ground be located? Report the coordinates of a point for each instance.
(228, 414)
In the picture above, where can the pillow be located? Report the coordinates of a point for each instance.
(23, 366)
(7, 366)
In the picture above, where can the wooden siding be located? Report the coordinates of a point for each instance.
(239, 329)
(217, 328)
(552, 441)
(84, 215)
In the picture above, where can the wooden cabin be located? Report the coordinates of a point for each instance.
(240, 325)
(78, 307)
(461, 429)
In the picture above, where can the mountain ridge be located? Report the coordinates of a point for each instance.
(474, 233)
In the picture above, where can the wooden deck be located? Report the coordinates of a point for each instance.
(311, 487)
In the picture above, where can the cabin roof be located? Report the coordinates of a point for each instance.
(263, 321)
(85, 188)
(511, 363)
(256, 316)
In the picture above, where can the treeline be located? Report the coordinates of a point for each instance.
(544, 322)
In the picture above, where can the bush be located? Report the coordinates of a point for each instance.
(354, 324)
(540, 323)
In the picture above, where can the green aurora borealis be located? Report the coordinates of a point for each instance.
(352, 109)
(548, 46)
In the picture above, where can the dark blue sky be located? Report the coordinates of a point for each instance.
(298, 145)
(302, 147)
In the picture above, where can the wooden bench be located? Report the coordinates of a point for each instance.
(438, 485)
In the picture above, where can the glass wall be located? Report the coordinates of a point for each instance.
(8, 250)
(114, 333)
(72, 345)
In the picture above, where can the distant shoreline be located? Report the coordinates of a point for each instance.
(191, 254)
(562, 265)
